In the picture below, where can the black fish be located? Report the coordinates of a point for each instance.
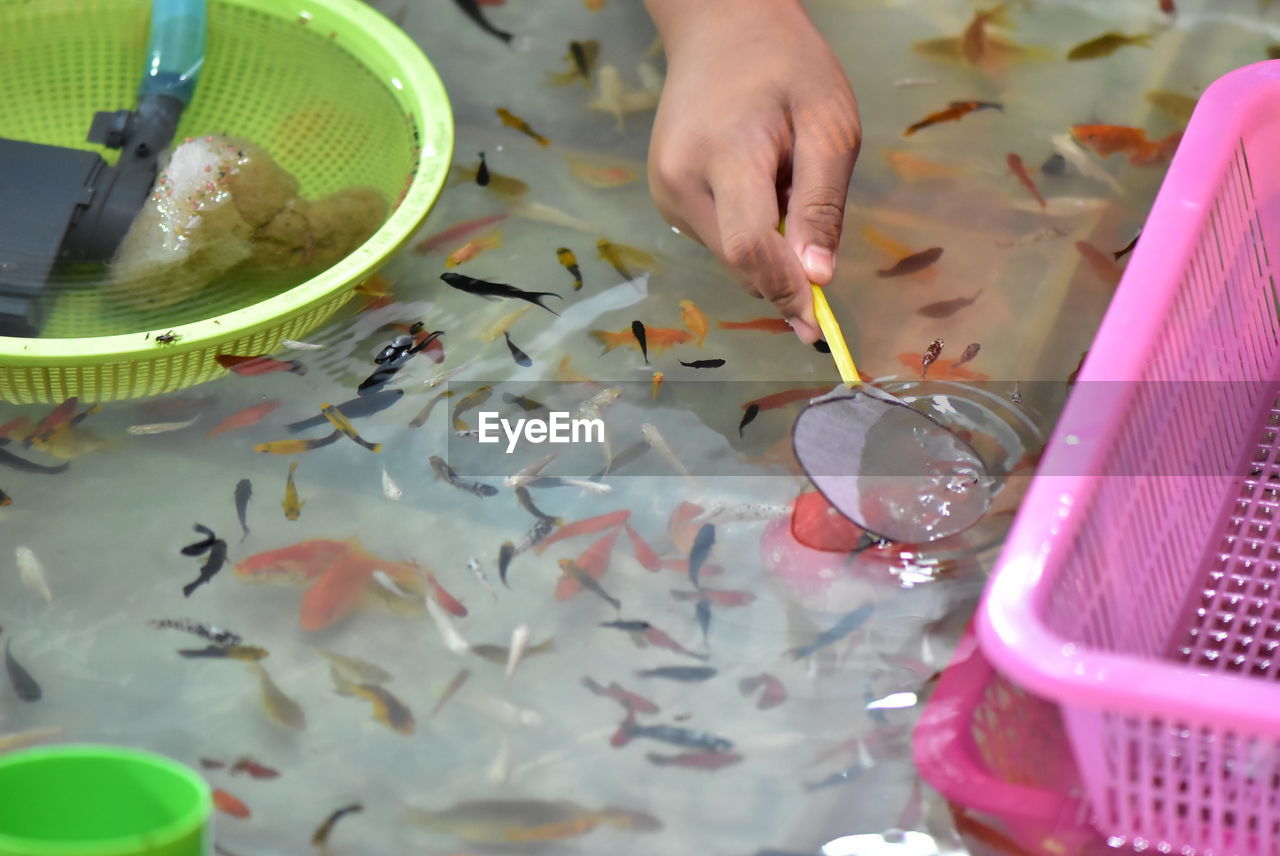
(1055, 164)
(969, 353)
(629, 626)
(217, 558)
(843, 777)
(637, 330)
(482, 288)
(913, 263)
(1127, 248)
(528, 405)
(703, 364)
(851, 622)
(753, 410)
(931, 355)
(23, 684)
(321, 835)
(5, 499)
(687, 674)
(821, 346)
(526, 502)
(482, 172)
(702, 543)
(505, 554)
(472, 10)
(538, 532)
(12, 461)
(677, 736)
(446, 472)
(244, 491)
(946, 308)
(521, 358)
(703, 613)
(200, 547)
(204, 631)
(353, 408)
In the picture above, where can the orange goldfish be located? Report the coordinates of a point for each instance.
(243, 418)
(473, 248)
(681, 528)
(298, 563)
(763, 325)
(974, 43)
(457, 232)
(227, 804)
(583, 527)
(1101, 263)
(337, 591)
(694, 319)
(603, 172)
(511, 120)
(1019, 169)
(954, 112)
(657, 382)
(658, 338)
(1111, 139)
(375, 286)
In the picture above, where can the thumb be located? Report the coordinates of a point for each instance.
(820, 172)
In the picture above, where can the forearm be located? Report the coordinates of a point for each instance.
(679, 21)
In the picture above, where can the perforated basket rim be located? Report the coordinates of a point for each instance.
(1012, 632)
(356, 24)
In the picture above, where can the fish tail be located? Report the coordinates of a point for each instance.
(609, 339)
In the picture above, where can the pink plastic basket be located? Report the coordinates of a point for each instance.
(1140, 585)
(990, 747)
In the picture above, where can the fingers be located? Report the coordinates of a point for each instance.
(746, 209)
(825, 153)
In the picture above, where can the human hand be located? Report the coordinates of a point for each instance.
(756, 121)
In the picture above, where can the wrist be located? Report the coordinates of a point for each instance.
(695, 20)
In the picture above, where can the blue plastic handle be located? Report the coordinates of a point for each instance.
(175, 50)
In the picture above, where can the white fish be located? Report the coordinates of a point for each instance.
(21, 739)
(294, 345)
(477, 570)
(529, 473)
(519, 642)
(443, 376)
(1080, 159)
(546, 214)
(501, 710)
(448, 633)
(614, 98)
(32, 573)
(593, 408)
(500, 769)
(383, 579)
(161, 427)
(906, 82)
(1062, 206)
(390, 489)
(592, 486)
(741, 512)
(655, 439)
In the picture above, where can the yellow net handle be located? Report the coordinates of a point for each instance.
(835, 339)
(831, 331)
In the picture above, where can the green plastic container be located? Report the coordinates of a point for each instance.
(101, 801)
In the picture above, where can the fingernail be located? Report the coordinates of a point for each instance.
(806, 331)
(818, 263)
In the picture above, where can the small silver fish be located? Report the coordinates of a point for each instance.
(655, 439)
(32, 573)
(529, 473)
(161, 427)
(477, 570)
(453, 640)
(500, 770)
(500, 710)
(390, 489)
(519, 642)
(294, 345)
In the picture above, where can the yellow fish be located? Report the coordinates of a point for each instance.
(510, 189)
(616, 100)
(502, 325)
(338, 420)
(1107, 44)
(387, 709)
(293, 447)
(292, 505)
(473, 248)
(473, 399)
(511, 120)
(570, 263)
(1175, 104)
(623, 257)
(603, 172)
(657, 382)
(695, 320)
(280, 709)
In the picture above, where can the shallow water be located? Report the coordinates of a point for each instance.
(109, 531)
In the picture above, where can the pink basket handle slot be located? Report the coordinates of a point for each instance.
(948, 758)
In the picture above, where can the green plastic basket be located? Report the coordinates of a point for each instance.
(333, 90)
